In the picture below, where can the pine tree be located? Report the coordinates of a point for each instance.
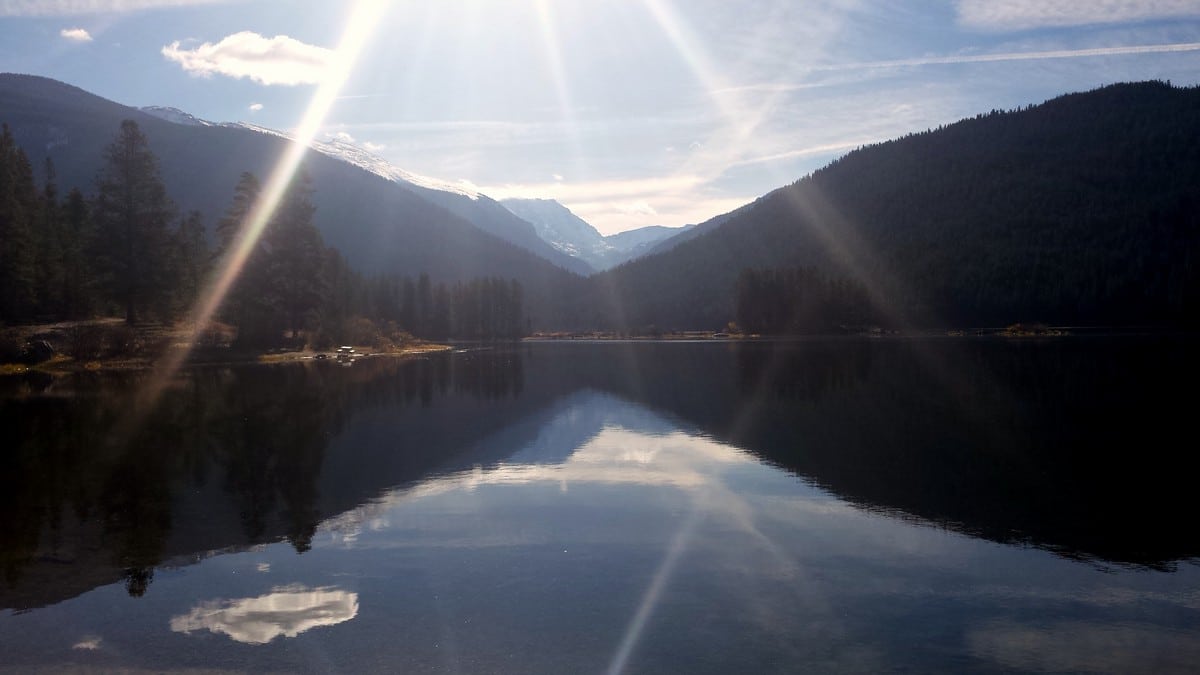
(132, 214)
(297, 254)
(191, 259)
(48, 249)
(78, 286)
(17, 270)
(230, 227)
(246, 305)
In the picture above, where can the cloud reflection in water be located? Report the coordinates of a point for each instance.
(286, 611)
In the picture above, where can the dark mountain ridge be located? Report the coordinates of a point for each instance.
(1084, 209)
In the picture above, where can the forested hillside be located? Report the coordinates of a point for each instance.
(1084, 209)
(1081, 210)
(128, 250)
(379, 226)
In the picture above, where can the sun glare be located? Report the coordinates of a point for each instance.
(553, 50)
(362, 20)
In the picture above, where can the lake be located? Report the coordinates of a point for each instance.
(847, 505)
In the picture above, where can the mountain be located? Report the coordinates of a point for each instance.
(1082, 210)
(478, 209)
(175, 115)
(566, 232)
(690, 232)
(380, 223)
(643, 240)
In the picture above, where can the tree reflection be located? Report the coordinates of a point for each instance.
(1072, 445)
(86, 500)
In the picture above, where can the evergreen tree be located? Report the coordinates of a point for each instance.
(246, 305)
(424, 314)
(408, 304)
(230, 226)
(17, 271)
(191, 259)
(78, 287)
(297, 254)
(132, 214)
(48, 249)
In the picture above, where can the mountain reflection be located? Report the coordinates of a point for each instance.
(287, 611)
(1069, 446)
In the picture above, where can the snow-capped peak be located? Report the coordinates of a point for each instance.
(346, 149)
(175, 116)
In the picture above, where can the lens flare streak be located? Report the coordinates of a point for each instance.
(362, 21)
(666, 569)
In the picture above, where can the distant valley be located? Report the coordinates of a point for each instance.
(569, 233)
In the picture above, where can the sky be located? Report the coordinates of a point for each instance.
(629, 112)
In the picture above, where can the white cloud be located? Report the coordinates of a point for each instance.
(255, 107)
(76, 34)
(640, 207)
(286, 611)
(268, 61)
(75, 7)
(1027, 14)
(88, 643)
(600, 189)
(373, 147)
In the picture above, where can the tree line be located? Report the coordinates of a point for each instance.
(798, 300)
(482, 308)
(122, 250)
(126, 250)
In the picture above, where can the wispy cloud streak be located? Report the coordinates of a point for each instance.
(1014, 56)
(1003, 15)
(81, 7)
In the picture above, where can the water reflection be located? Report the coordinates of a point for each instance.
(1085, 646)
(1071, 445)
(286, 611)
(635, 507)
(229, 457)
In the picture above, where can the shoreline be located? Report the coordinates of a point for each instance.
(64, 365)
(61, 364)
(109, 345)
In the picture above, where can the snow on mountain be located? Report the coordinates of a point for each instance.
(555, 234)
(569, 233)
(560, 228)
(352, 153)
(175, 115)
(348, 151)
(338, 148)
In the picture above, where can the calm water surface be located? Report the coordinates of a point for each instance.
(825, 505)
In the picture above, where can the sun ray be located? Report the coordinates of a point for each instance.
(553, 50)
(653, 593)
(361, 22)
(740, 119)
